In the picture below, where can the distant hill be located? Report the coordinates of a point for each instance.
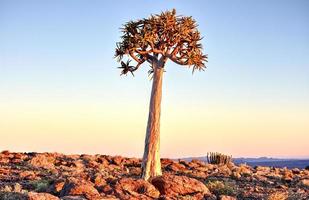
(265, 161)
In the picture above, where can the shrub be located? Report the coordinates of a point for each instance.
(295, 196)
(222, 188)
(13, 196)
(41, 185)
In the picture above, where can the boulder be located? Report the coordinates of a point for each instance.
(135, 171)
(45, 161)
(296, 171)
(172, 185)
(225, 197)
(287, 175)
(107, 189)
(224, 170)
(98, 180)
(209, 166)
(196, 163)
(73, 198)
(175, 166)
(79, 187)
(260, 178)
(102, 160)
(28, 175)
(132, 162)
(304, 183)
(244, 170)
(56, 187)
(274, 176)
(117, 160)
(262, 168)
(41, 196)
(137, 188)
(165, 162)
(236, 175)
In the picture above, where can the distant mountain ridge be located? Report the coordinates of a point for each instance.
(265, 161)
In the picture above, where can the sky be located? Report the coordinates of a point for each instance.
(60, 89)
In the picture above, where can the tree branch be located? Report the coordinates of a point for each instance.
(175, 60)
(134, 57)
(143, 52)
(162, 60)
(150, 58)
(137, 66)
(176, 49)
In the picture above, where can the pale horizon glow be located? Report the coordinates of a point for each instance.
(60, 89)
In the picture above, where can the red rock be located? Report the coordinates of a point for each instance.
(45, 161)
(87, 157)
(27, 175)
(132, 162)
(199, 174)
(304, 183)
(274, 175)
(296, 171)
(56, 187)
(5, 152)
(262, 169)
(107, 189)
(196, 163)
(183, 162)
(224, 170)
(4, 160)
(41, 196)
(165, 162)
(225, 197)
(260, 178)
(109, 198)
(236, 175)
(172, 185)
(99, 180)
(102, 160)
(139, 188)
(199, 162)
(244, 170)
(117, 160)
(106, 173)
(202, 169)
(79, 187)
(20, 156)
(135, 171)
(175, 166)
(73, 198)
(78, 164)
(93, 164)
(16, 161)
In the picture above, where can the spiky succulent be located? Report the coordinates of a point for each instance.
(159, 38)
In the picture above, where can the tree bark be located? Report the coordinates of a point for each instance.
(151, 166)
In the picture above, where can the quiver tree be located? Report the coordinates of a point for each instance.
(156, 40)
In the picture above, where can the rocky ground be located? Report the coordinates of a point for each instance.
(53, 176)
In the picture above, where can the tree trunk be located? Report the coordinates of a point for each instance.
(151, 166)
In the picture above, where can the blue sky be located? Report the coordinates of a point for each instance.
(58, 52)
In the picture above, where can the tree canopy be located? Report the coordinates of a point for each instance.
(159, 38)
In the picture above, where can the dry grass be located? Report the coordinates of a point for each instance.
(278, 196)
(222, 188)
